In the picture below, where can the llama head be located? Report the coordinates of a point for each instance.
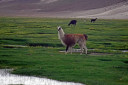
(60, 32)
(59, 28)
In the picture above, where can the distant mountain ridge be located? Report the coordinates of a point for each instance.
(51, 7)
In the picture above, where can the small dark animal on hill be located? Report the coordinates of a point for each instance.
(73, 22)
(93, 20)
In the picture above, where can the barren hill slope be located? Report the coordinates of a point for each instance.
(57, 8)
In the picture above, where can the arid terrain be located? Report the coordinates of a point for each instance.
(108, 9)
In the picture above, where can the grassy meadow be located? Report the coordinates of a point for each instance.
(31, 47)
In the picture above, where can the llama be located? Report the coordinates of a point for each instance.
(69, 40)
(73, 22)
(93, 20)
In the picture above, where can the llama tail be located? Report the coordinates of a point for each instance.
(86, 37)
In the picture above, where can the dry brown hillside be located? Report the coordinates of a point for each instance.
(59, 8)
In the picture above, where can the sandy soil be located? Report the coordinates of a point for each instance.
(118, 11)
(61, 9)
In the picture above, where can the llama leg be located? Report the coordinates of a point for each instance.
(85, 48)
(81, 47)
(66, 49)
(81, 50)
(71, 50)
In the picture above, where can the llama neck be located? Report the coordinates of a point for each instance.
(61, 34)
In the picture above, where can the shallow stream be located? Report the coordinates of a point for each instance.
(9, 79)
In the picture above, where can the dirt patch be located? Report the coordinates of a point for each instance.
(105, 9)
(100, 54)
(93, 53)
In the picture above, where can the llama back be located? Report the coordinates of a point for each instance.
(69, 39)
(86, 37)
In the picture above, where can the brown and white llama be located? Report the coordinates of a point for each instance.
(69, 40)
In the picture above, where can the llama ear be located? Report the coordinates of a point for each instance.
(59, 27)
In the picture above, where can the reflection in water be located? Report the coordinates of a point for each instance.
(7, 78)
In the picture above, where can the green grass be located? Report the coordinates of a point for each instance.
(41, 56)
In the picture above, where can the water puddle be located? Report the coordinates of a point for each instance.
(124, 51)
(100, 54)
(95, 53)
(14, 46)
(8, 79)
